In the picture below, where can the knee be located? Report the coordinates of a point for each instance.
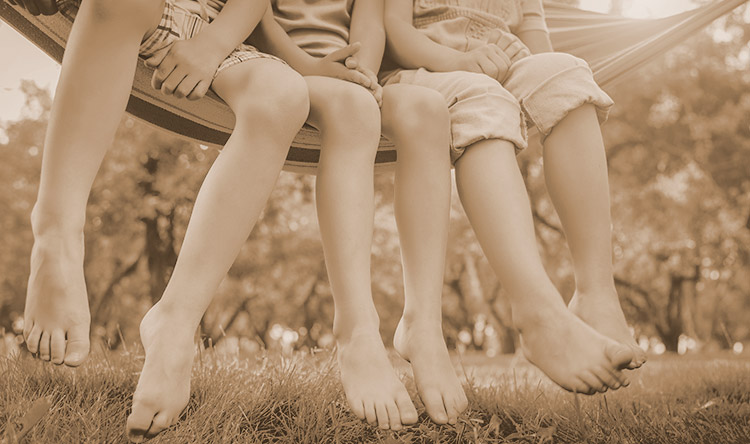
(352, 106)
(413, 111)
(276, 97)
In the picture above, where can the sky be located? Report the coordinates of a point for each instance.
(28, 62)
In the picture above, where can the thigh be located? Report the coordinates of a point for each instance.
(260, 80)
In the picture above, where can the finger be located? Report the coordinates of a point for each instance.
(504, 41)
(48, 7)
(351, 63)
(488, 67)
(186, 87)
(172, 82)
(200, 90)
(373, 79)
(378, 93)
(342, 54)
(513, 49)
(156, 59)
(355, 76)
(494, 35)
(163, 72)
(502, 61)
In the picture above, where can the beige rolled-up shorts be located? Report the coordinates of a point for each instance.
(540, 90)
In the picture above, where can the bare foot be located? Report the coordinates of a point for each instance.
(573, 354)
(56, 318)
(441, 392)
(602, 311)
(372, 388)
(163, 389)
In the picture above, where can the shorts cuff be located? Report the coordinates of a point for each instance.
(493, 116)
(551, 101)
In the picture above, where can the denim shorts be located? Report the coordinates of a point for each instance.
(539, 90)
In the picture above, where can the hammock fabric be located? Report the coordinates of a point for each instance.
(613, 46)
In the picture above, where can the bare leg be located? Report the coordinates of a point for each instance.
(575, 169)
(416, 120)
(88, 105)
(270, 104)
(570, 352)
(349, 121)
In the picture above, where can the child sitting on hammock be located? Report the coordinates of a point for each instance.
(478, 55)
(193, 45)
(347, 115)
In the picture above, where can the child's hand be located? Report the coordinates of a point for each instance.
(509, 44)
(333, 65)
(375, 88)
(351, 62)
(488, 59)
(36, 7)
(186, 68)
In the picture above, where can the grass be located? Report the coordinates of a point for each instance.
(299, 400)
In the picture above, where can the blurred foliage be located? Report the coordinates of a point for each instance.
(679, 156)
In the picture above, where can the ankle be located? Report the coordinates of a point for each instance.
(585, 290)
(45, 223)
(347, 327)
(175, 316)
(529, 316)
(414, 319)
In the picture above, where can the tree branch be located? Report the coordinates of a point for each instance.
(118, 277)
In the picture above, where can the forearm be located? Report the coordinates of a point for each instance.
(234, 24)
(536, 41)
(367, 29)
(409, 47)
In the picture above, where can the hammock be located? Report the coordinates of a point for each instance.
(613, 46)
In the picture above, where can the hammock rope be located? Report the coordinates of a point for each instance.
(613, 46)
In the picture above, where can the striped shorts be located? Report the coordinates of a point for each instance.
(176, 24)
